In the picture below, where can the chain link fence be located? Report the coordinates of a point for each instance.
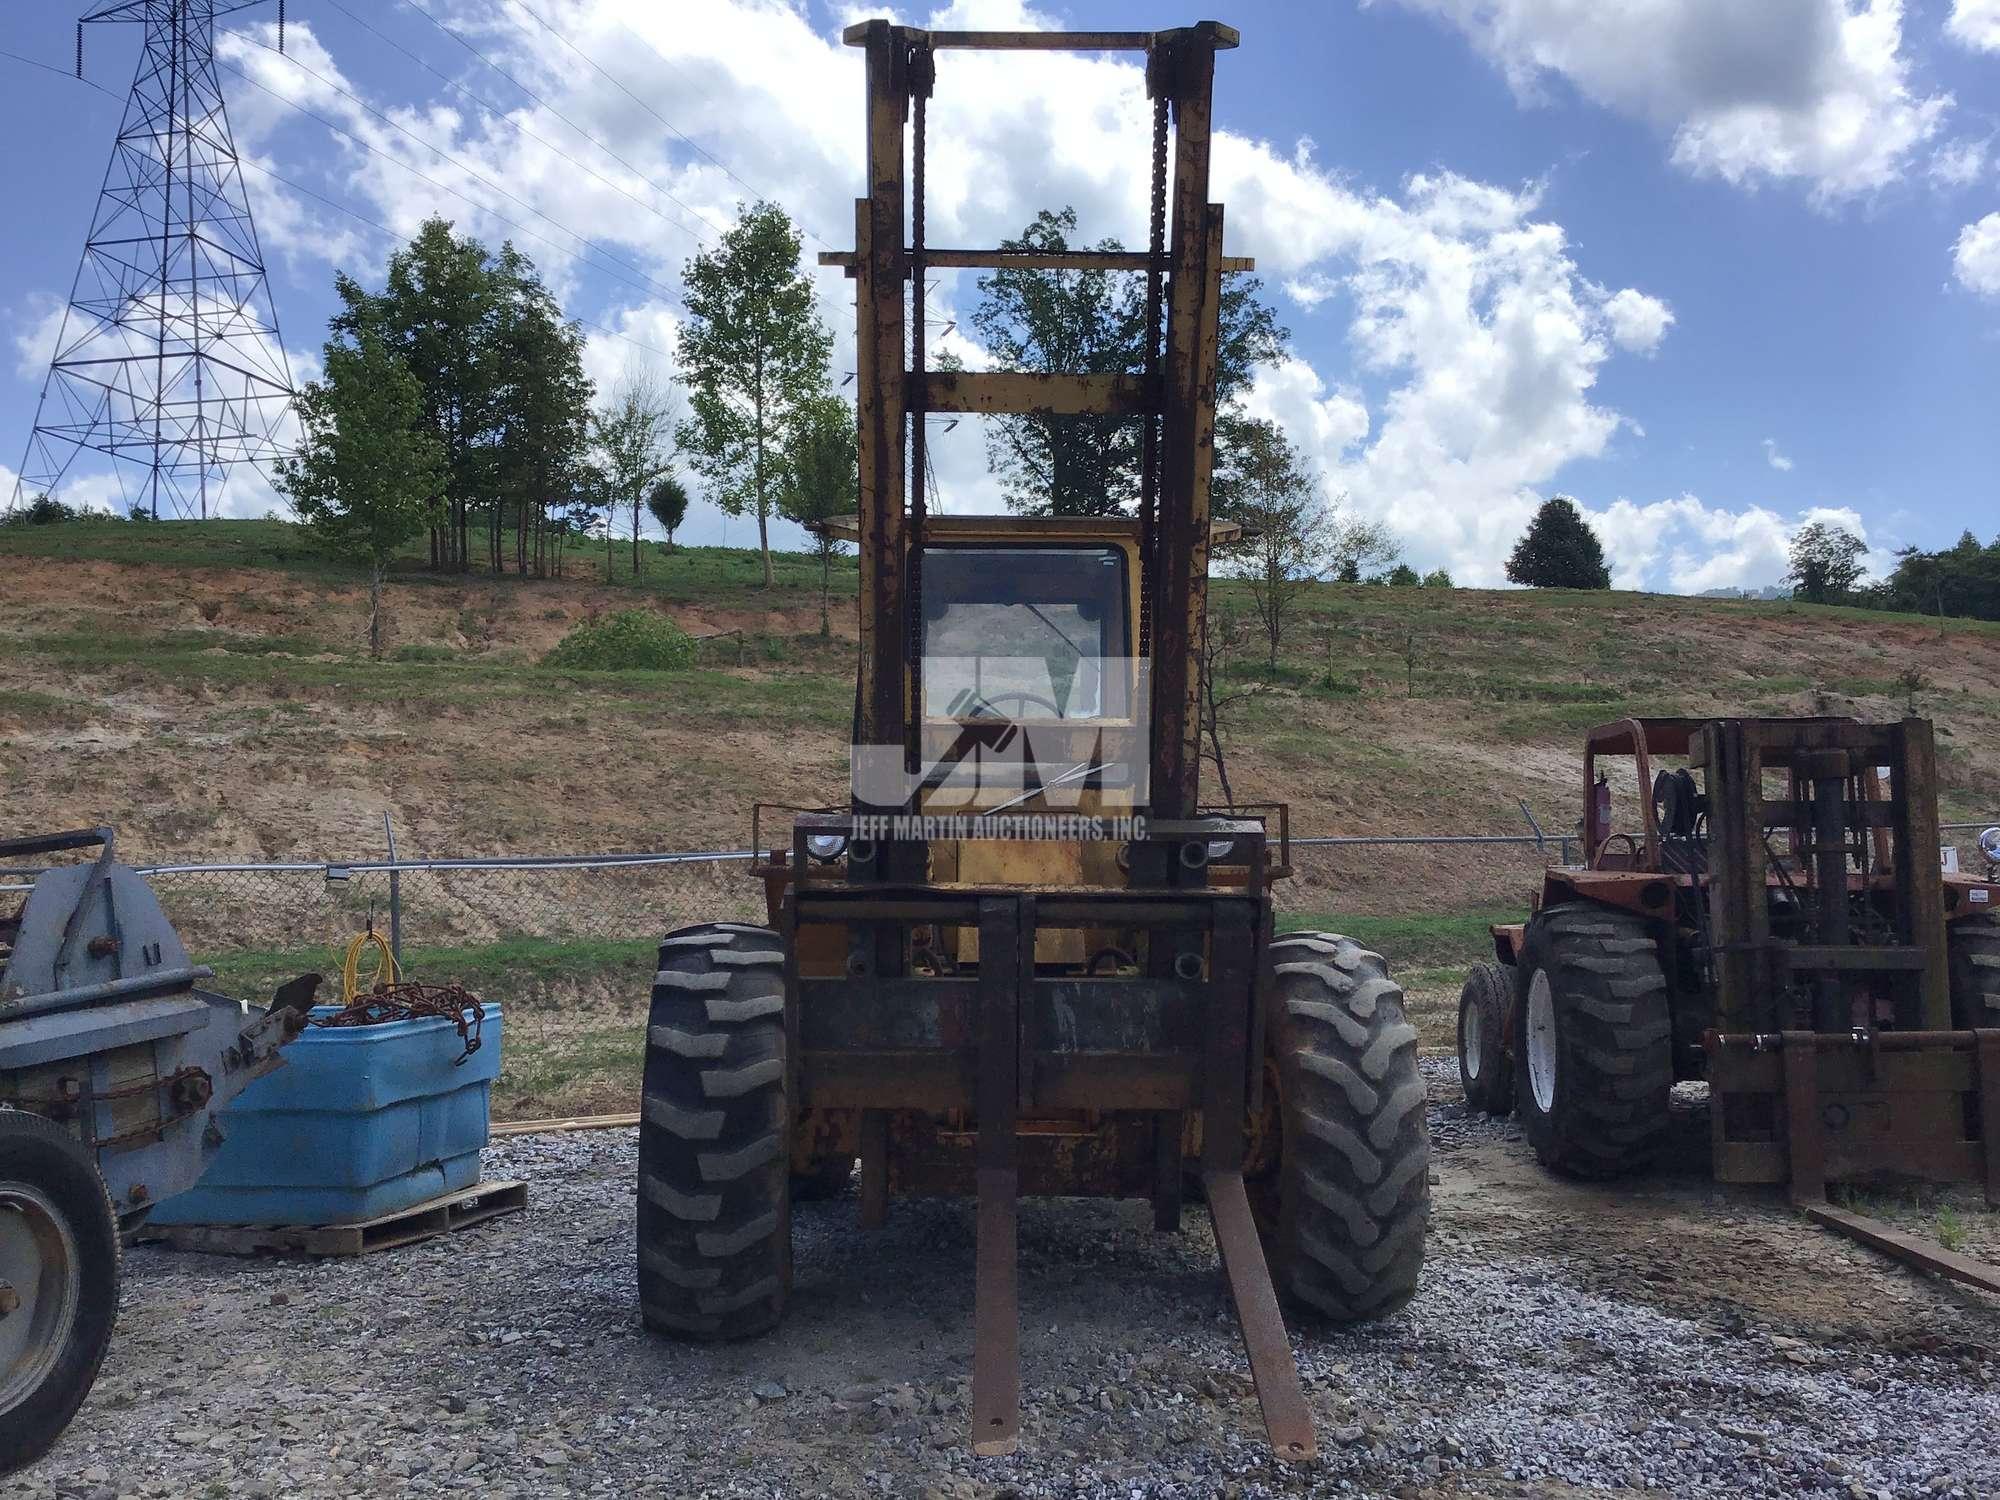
(565, 942)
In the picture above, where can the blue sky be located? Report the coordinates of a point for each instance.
(1713, 268)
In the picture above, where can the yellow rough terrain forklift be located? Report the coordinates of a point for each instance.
(1024, 958)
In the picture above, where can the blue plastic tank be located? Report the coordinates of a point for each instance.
(361, 1121)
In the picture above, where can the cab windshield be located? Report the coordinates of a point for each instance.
(1019, 632)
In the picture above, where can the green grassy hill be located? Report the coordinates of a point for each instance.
(190, 654)
(205, 688)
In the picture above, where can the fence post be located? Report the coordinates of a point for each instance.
(1541, 843)
(395, 897)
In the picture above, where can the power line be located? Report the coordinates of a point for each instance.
(360, 103)
(507, 119)
(695, 145)
(532, 15)
(647, 284)
(342, 208)
(377, 224)
(59, 72)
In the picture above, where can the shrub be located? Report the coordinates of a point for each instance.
(630, 641)
(424, 653)
(42, 511)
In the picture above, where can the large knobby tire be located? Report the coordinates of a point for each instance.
(1354, 1171)
(1593, 1041)
(1974, 947)
(59, 1266)
(715, 1208)
(1484, 1068)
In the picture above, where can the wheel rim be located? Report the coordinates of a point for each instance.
(1542, 1041)
(1469, 1040)
(39, 1263)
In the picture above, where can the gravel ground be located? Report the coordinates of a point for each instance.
(1670, 1336)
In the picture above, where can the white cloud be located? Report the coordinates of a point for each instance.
(1471, 315)
(1958, 164)
(1975, 24)
(1815, 91)
(1478, 335)
(1638, 322)
(1685, 546)
(36, 329)
(1475, 338)
(1774, 458)
(1326, 423)
(1975, 259)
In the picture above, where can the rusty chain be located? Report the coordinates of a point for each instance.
(411, 1000)
(1149, 452)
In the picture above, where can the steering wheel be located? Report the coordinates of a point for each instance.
(981, 701)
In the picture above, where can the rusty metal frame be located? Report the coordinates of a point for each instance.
(913, 1053)
(899, 65)
(1829, 1101)
(1818, 1094)
(1823, 758)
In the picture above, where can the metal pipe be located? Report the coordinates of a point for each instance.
(395, 891)
(88, 994)
(712, 856)
(1830, 867)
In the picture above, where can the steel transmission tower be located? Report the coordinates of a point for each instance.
(169, 360)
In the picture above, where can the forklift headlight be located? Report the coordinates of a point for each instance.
(1989, 844)
(826, 846)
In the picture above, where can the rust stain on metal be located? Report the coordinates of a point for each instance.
(1286, 1420)
(1906, 1247)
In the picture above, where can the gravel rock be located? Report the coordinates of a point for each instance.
(1605, 1339)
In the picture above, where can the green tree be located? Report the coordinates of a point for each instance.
(1437, 578)
(753, 350)
(1825, 562)
(1293, 535)
(634, 436)
(542, 406)
(1287, 542)
(1963, 580)
(439, 309)
(821, 481)
(1402, 576)
(1559, 550)
(668, 503)
(42, 510)
(368, 470)
(1093, 322)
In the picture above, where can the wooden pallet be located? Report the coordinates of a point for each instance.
(562, 1126)
(421, 1221)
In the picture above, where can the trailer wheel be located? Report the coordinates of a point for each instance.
(1355, 1151)
(1593, 1041)
(58, 1282)
(1974, 947)
(715, 1210)
(1484, 1068)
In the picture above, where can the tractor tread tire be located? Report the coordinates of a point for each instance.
(38, 1153)
(715, 1257)
(1974, 946)
(1483, 1004)
(1610, 1114)
(1354, 1176)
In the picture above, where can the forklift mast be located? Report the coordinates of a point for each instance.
(1174, 394)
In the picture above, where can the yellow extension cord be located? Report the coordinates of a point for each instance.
(350, 970)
